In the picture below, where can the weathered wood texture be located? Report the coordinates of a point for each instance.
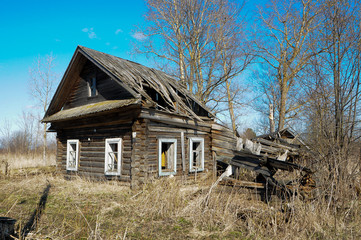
(224, 142)
(92, 149)
(108, 89)
(147, 132)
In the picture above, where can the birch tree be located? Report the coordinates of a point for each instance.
(286, 46)
(41, 85)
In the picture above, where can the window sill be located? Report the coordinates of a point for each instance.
(111, 174)
(167, 173)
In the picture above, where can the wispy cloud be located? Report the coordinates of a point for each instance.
(118, 31)
(139, 36)
(90, 32)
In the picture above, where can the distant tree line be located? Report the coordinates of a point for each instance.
(31, 136)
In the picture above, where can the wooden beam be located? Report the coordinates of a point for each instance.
(238, 183)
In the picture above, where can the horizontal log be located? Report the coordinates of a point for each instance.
(91, 169)
(92, 164)
(175, 130)
(238, 183)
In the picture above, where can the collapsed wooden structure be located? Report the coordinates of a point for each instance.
(117, 119)
(265, 155)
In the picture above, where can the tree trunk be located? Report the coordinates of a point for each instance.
(271, 118)
(230, 106)
(282, 111)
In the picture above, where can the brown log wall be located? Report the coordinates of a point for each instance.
(224, 142)
(92, 150)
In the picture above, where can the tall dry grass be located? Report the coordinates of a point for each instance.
(13, 161)
(171, 209)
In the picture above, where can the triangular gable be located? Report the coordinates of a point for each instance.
(67, 83)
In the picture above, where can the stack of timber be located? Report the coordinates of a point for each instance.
(283, 145)
(266, 168)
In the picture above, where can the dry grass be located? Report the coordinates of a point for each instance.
(11, 161)
(169, 209)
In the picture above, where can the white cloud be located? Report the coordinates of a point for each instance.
(90, 31)
(139, 36)
(118, 31)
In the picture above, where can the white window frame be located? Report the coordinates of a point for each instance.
(191, 141)
(68, 154)
(160, 142)
(109, 141)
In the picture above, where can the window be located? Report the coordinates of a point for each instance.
(92, 87)
(72, 155)
(113, 149)
(167, 156)
(196, 154)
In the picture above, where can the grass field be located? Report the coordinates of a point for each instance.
(163, 209)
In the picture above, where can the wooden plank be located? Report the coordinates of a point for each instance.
(238, 183)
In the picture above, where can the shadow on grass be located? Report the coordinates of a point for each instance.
(35, 217)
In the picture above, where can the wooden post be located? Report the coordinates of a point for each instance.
(183, 153)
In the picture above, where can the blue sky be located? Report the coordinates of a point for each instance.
(32, 28)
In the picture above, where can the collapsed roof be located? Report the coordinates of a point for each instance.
(133, 77)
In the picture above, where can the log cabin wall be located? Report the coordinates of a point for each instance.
(164, 131)
(92, 150)
(224, 142)
(146, 136)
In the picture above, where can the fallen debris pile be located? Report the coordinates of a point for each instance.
(266, 168)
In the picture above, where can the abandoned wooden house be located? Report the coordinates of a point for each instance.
(117, 119)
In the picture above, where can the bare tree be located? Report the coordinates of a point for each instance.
(201, 44)
(333, 89)
(6, 131)
(286, 46)
(41, 85)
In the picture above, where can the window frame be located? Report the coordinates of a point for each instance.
(191, 160)
(160, 142)
(109, 141)
(69, 142)
(92, 84)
